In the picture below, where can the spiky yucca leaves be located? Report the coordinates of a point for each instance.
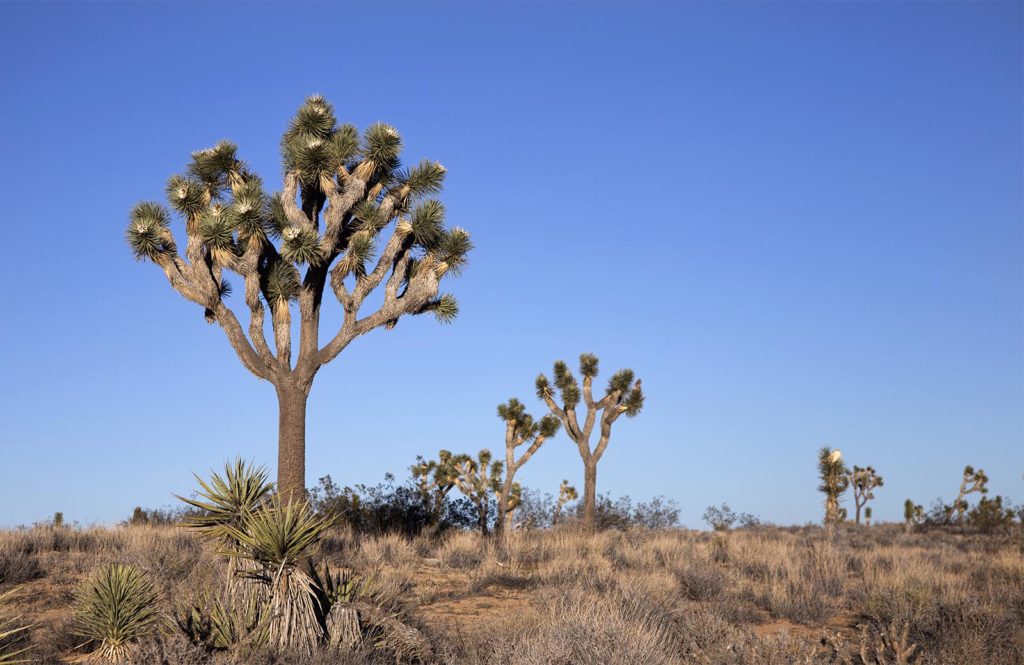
(520, 429)
(276, 537)
(864, 481)
(114, 608)
(340, 193)
(226, 500)
(13, 634)
(835, 478)
(623, 395)
(478, 479)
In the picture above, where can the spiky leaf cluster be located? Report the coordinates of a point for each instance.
(225, 501)
(148, 233)
(566, 384)
(588, 365)
(14, 639)
(278, 533)
(115, 607)
(215, 167)
(525, 427)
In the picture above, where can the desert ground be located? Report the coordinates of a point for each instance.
(762, 595)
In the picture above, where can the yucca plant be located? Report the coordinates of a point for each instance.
(478, 479)
(114, 608)
(226, 500)
(276, 537)
(864, 481)
(13, 634)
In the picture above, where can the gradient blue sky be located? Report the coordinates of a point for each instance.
(801, 224)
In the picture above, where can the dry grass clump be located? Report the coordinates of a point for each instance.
(755, 597)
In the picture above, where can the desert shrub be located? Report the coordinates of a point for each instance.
(387, 508)
(991, 515)
(17, 565)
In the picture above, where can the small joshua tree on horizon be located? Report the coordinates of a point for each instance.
(566, 493)
(972, 481)
(340, 192)
(622, 396)
(867, 516)
(835, 478)
(435, 479)
(520, 429)
(863, 481)
(478, 479)
(913, 514)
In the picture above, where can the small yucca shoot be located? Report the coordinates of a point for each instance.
(114, 608)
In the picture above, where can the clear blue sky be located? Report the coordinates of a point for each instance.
(801, 224)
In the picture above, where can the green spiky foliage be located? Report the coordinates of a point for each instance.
(275, 539)
(972, 481)
(835, 479)
(348, 215)
(867, 515)
(623, 395)
(435, 479)
(113, 609)
(14, 642)
(521, 429)
(863, 481)
(566, 493)
(479, 479)
(225, 500)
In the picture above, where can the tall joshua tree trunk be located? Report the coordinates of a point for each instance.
(590, 494)
(291, 438)
(340, 192)
(622, 396)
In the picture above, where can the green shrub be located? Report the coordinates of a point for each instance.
(114, 608)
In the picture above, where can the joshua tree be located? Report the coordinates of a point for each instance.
(435, 479)
(835, 478)
(863, 481)
(973, 481)
(867, 516)
(622, 396)
(520, 429)
(912, 514)
(340, 193)
(566, 493)
(478, 479)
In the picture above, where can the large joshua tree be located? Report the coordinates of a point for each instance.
(340, 194)
(520, 429)
(622, 396)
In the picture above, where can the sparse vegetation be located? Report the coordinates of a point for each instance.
(759, 597)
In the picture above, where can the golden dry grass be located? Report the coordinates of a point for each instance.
(561, 597)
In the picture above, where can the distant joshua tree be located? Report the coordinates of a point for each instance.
(478, 479)
(622, 396)
(435, 479)
(520, 429)
(340, 192)
(863, 481)
(867, 516)
(973, 481)
(566, 493)
(835, 478)
(912, 514)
